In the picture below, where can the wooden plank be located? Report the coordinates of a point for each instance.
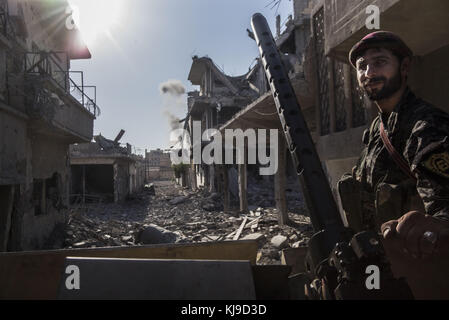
(240, 229)
(255, 221)
(37, 275)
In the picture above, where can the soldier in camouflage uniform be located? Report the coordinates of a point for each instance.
(400, 185)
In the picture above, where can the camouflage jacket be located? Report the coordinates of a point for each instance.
(419, 132)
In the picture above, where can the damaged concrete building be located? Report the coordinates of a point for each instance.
(44, 107)
(105, 171)
(315, 44)
(158, 165)
(219, 98)
(250, 107)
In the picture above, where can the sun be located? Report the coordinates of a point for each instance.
(96, 18)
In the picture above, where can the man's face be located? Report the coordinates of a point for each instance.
(379, 74)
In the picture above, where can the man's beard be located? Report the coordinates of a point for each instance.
(389, 88)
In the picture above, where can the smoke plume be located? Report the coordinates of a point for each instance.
(172, 87)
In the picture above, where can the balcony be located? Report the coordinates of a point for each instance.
(57, 100)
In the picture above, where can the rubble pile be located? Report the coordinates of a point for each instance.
(177, 215)
(261, 193)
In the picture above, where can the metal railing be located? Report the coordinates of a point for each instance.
(48, 64)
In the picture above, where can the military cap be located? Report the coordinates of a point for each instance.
(380, 39)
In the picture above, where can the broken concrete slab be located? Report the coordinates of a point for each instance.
(155, 235)
(254, 236)
(279, 241)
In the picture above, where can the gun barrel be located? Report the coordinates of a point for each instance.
(319, 199)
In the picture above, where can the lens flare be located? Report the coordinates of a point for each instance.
(96, 19)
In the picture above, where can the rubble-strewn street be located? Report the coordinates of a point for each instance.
(174, 214)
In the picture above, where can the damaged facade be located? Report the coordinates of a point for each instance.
(315, 45)
(105, 171)
(44, 107)
(219, 98)
(158, 165)
(256, 111)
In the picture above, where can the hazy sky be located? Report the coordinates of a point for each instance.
(138, 44)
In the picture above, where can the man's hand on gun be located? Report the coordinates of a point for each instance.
(417, 235)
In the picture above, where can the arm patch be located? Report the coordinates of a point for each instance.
(438, 163)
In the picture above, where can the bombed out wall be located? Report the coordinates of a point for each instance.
(46, 192)
(39, 200)
(121, 181)
(13, 149)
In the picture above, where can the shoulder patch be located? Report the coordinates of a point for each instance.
(438, 163)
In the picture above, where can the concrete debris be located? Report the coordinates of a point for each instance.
(259, 237)
(178, 200)
(153, 234)
(279, 241)
(149, 188)
(194, 217)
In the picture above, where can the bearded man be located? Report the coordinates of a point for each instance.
(400, 185)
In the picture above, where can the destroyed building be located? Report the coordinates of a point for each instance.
(44, 107)
(158, 165)
(255, 111)
(105, 171)
(219, 98)
(315, 44)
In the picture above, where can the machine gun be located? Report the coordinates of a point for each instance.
(339, 261)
